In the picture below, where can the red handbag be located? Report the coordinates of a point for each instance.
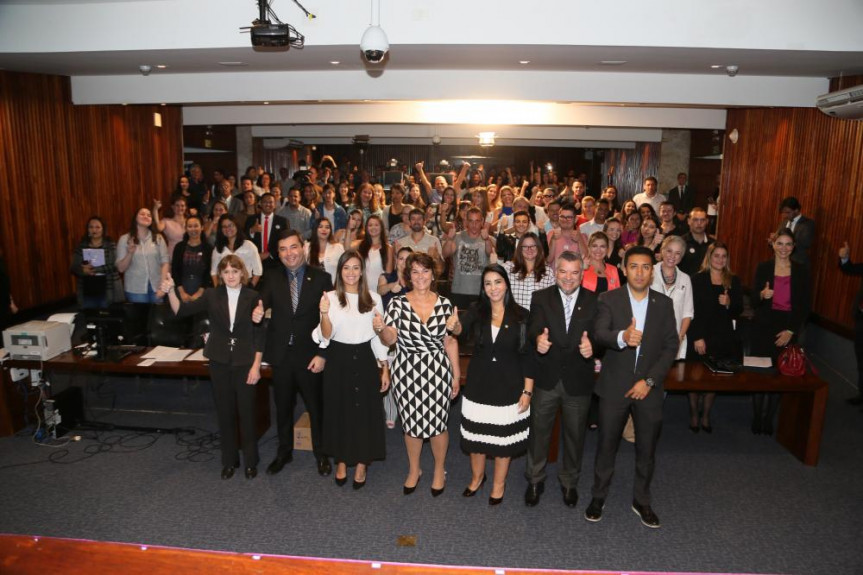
(792, 361)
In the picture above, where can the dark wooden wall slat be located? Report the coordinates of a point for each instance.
(63, 163)
(804, 153)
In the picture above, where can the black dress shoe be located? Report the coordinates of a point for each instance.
(340, 481)
(357, 485)
(570, 496)
(324, 466)
(408, 490)
(228, 472)
(251, 472)
(468, 492)
(531, 495)
(648, 517)
(278, 463)
(593, 513)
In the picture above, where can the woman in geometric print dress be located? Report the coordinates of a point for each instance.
(496, 404)
(425, 369)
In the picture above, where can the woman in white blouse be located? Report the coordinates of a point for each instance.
(322, 250)
(375, 251)
(143, 259)
(353, 432)
(231, 240)
(669, 280)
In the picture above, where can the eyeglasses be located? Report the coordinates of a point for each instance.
(566, 217)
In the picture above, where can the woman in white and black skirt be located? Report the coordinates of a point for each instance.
(496, 404)
(353, 431)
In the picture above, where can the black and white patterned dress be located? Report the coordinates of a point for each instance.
(421, 370)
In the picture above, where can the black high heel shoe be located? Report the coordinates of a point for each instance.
(439, 492)
(340, 481)
(408, 490)
(707, 428)
(492, 501)
(468, 492)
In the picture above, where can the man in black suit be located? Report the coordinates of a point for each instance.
(292, 292)
(561, 321)
(682, 196)
(853, 269)
(636, 325)
(802, 227)
(263, 230)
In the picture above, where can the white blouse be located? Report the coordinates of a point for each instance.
(332, 253)
(681, 296)
(350, 326)
(247, 252)
(374, 267)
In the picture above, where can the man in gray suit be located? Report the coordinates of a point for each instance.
(636, 325)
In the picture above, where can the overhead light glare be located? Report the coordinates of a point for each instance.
(613, 62)
(335, 62)
(232, 64)
(524, 62)
(266, 103)
(486, 139)
(161, 66)
(716, 66)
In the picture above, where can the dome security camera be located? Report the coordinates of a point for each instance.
(374, 44)
(731, 70)
(145, 69)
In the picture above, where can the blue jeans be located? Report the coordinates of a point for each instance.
(149, 297)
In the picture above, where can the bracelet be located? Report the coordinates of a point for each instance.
(527, 393)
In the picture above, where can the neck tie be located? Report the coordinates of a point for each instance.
(567, 309)
(295, 290)
(266, 244)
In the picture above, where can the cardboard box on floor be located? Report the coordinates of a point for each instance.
(303, 433)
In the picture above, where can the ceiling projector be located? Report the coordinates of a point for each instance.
(272, 35)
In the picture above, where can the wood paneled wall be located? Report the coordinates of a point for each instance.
(626, 169)
(803, 153)
(61, 163)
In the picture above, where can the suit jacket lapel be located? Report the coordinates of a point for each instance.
(305, 289)
(557, 312)
(222, 295)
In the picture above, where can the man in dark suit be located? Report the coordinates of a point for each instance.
(802, 227)
(561, 321)
(292, 292)
(682, 196)
(636, 325)
(263, 230)
(853, 269)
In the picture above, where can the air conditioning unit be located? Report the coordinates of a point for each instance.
(847, 103)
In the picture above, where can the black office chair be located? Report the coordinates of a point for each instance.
(164, 328)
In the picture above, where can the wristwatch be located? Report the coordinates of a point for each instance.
(650, 383)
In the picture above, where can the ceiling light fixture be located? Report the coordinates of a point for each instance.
(161, 66)
(613, 62)
(716, 66)
(335, 62)
(524, 62)
(486, 139)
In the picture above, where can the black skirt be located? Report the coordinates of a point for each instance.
(353, 425)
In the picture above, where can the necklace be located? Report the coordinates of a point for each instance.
(668, 281)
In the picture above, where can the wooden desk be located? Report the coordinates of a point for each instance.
(801, 413)
(11, 416)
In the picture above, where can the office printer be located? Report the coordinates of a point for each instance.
(37, 340)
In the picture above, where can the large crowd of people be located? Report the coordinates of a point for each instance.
(359, 297)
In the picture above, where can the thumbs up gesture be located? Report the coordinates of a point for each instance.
(724, 299)
(585, 347)
(543, 343)
(484, 232)
(767, 293)
(258, 312)
(324, 305)
(632, 336)
(378, 322)
(452, 323)
(845, 251)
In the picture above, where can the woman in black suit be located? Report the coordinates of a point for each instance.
(234, 348)
(718, 300)
(781, 298)
(496, 403)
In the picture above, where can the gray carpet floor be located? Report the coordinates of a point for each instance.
(729, 502)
